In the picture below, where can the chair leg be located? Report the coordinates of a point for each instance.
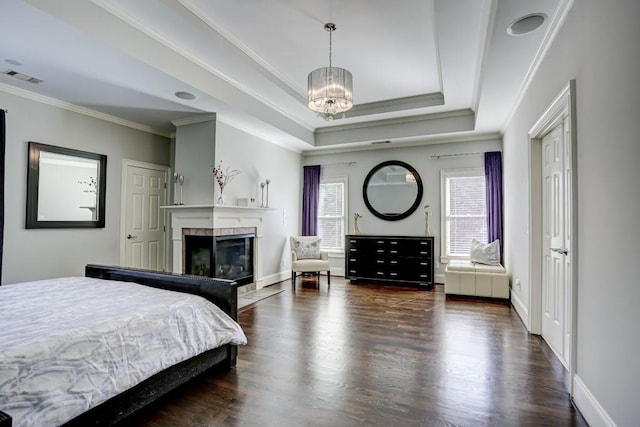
(293, 279)
(328, 278)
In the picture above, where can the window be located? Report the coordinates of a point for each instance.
(464, 211)
(331, 214)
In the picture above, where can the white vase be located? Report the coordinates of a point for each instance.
(427, 231)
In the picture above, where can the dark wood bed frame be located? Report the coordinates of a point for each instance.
(222, 293)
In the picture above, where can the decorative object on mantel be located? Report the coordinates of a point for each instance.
(356, 217)
(177, 179)
(262, 184)
(267, 203)
(223, 178)
(427, 232)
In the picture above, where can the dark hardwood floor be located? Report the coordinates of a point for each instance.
(363, 354)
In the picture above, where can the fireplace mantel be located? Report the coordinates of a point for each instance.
(216, 217)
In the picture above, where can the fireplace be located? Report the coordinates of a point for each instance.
(221, 256)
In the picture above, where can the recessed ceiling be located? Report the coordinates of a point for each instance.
(434, 69)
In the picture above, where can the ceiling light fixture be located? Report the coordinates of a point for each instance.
(187, 96)
(330, 89)
(526, 24)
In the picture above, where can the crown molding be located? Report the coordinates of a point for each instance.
(200, 118)
(23, 93)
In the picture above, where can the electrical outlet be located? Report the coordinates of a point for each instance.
(518, 283)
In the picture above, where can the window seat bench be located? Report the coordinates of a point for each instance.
(463, 277)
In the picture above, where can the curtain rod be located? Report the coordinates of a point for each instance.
(339, 164)
(437, 156)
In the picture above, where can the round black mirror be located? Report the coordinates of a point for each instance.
(392, 190)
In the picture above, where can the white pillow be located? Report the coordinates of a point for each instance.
(306, 249)
(485, 253)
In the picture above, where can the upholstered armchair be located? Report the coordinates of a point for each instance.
(306, 257)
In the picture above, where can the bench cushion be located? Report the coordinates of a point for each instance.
(464, 277)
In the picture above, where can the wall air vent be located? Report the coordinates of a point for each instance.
(22, 76)
(380, 142)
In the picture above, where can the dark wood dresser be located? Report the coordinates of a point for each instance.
(402, 260)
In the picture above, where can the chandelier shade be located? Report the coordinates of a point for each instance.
(330, 89)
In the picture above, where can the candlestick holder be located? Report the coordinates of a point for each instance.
(181, 179)
(267, 183)
(175, 188)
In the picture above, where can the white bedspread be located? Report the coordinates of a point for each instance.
(68, 344)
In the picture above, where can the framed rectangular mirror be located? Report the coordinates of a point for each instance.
(65, 188)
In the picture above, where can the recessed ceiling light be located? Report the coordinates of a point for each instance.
(526, 24)
(185, 95)
(13, 62)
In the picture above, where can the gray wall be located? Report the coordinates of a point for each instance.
(38, 254)
(598, 47)
(258, 160)
(194, 155)
(337, 165)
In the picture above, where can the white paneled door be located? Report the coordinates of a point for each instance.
(144, 222)
(555, 268)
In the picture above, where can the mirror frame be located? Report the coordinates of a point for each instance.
(411, 209)
(33, 177)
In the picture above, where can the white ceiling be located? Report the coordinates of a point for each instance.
(423, 70)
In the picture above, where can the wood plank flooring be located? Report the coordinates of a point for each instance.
(364, 354)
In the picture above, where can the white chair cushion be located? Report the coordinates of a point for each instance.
(311, 265)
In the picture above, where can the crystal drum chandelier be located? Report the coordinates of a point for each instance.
(330, 89)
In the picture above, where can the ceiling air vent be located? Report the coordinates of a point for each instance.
(22, 76)
(380, 142)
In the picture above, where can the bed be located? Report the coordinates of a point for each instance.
(107, 365)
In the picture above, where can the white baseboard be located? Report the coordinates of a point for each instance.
(521, 309)
(591, 410)
(439, 278)
(273, 278)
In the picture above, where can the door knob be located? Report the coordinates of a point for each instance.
(129, 236)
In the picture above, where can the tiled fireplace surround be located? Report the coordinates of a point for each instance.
(208, 220)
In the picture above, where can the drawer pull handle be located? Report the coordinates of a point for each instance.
(393, 274)
(380, 241)
(423, 275)
(379, 273)
(393, 242)
(394, 252)
(380, 261)
(380, 251)
(423, 263)
(394, 262)
(423, 243)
